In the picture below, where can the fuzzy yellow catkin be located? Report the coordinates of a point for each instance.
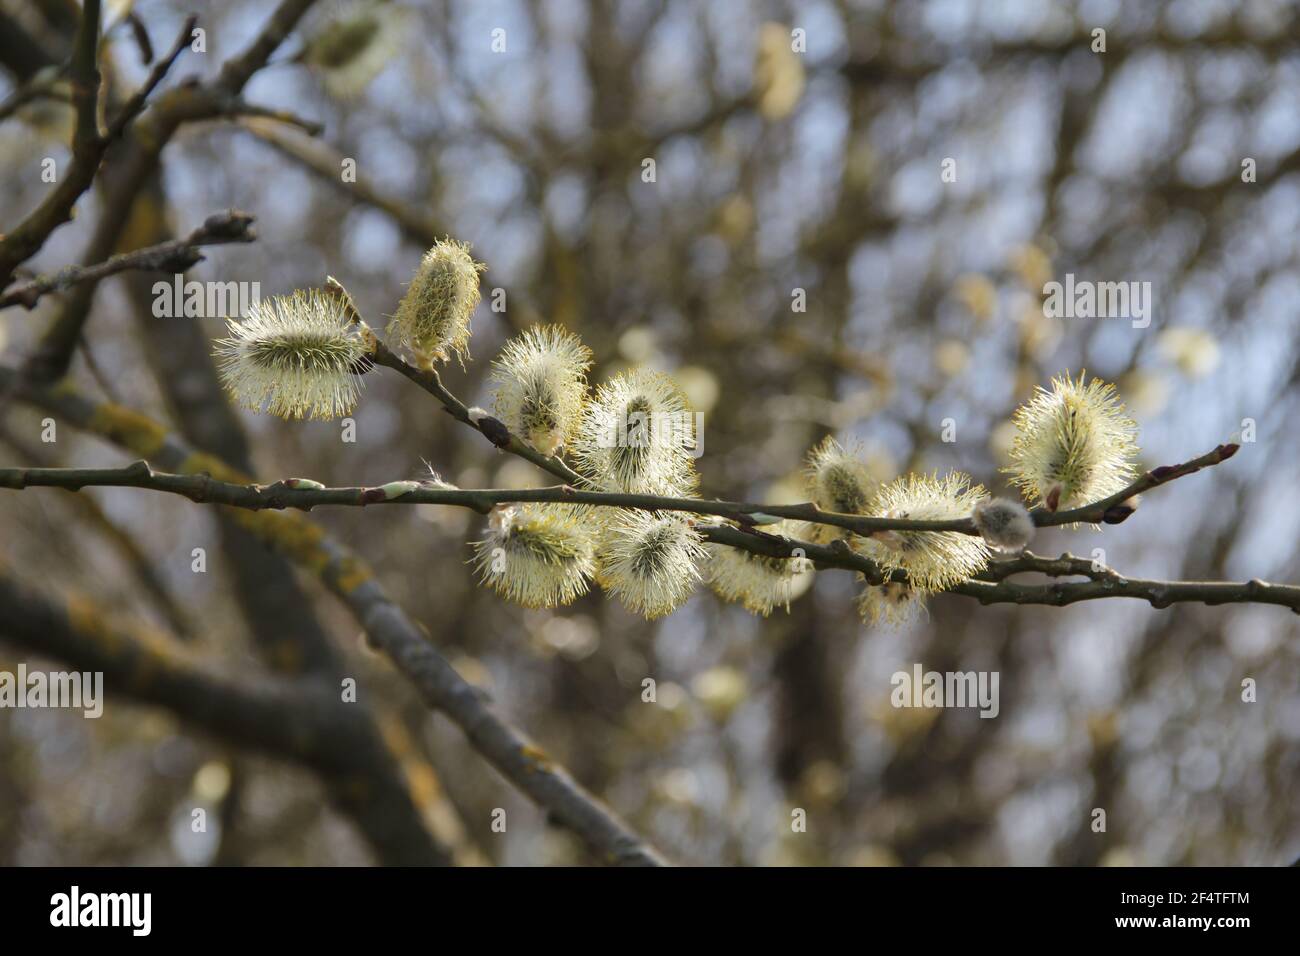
(637, 436)
(933, 560)
(353, 46)
(837, 480)
(537, 555)
(541, 384)
(760, 583)
(296, 356)
(649, 561)
(1074, 445)
(432, 320)
(890, 604)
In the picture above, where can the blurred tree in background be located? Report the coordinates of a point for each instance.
(750, 197)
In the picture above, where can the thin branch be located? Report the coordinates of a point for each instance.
(1111, 510)
(493, 430)
(326, 163)
(292, 494)
(1119, 506)
(87, 150)
(175, 255)
(42, 86)
(135, 103)
(1108, 584)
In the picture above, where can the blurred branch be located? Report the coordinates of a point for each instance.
(386, 624)
(145, 572)
(302, 721)
(144, 141)
(175, 255)
(327, 163)
(88, 144)
(43, 85)
(88, 149)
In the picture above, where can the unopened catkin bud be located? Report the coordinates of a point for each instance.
(1004, 524)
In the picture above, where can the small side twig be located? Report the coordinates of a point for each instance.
(175, 255)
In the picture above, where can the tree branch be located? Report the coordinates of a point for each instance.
(175, 255)
(88, 145)
(144, 142)
(1111, 510)
(292, 494)
(493, 430)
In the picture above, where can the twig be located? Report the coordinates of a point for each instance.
(493, 430)
(1116, 508)
(1110, 510)
(41, 86)
(175, 255)
(1109, 584)
(135, 103)
(292, 494)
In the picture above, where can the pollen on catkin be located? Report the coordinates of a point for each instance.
(933, 560)
(432, 320)
(760, 583)
(836, 480)
(1074, 445)
(537, 555)
(650, 561)
(637, 436)
(1004, 524)
(541, 383)
(296, 356)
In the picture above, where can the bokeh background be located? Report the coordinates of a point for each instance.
(774, 172)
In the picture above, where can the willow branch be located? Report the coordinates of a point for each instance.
(1116, 508)
(989, 588)
(175, 255)
(1104, 583)
(1111, 510)
(493, 430)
